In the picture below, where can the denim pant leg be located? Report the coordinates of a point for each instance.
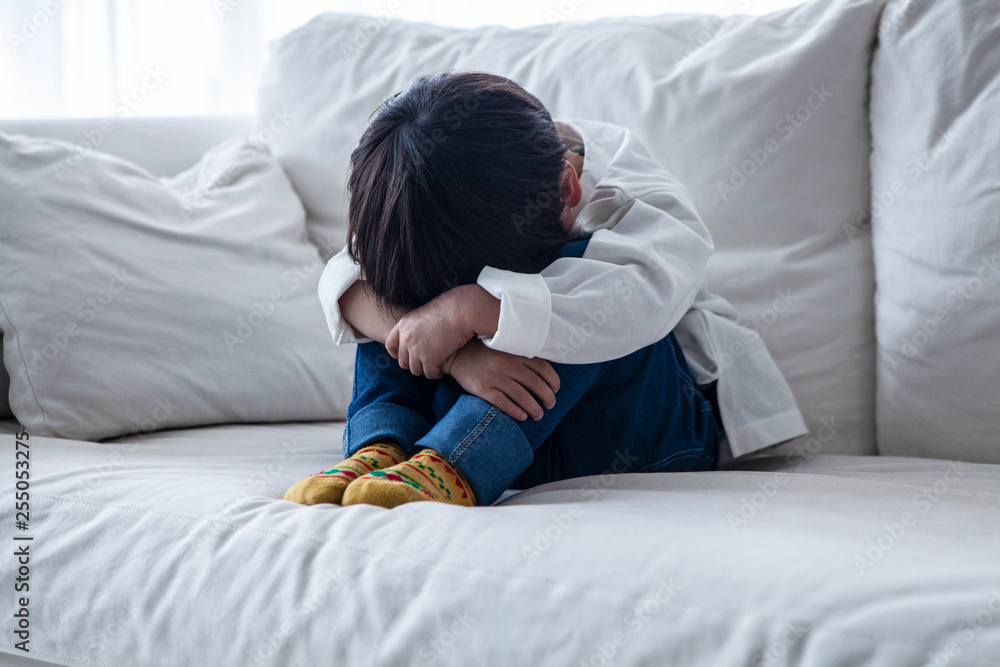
(643, 414)
(388, 402)
(645, 401)
(489, 447)
(639, 413)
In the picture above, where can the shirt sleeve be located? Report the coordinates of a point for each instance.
(339, 274)
(637, 278)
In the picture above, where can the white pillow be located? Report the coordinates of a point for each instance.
(131, 303)
(709, 97)
(936, 229)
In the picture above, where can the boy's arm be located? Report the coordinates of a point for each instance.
(519, 387)
(637, 278)
(423, 338)
(340, 276)
(360, 310)
(450, 320)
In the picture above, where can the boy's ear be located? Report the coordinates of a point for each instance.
(569, 185)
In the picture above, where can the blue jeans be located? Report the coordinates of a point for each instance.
(637, 413)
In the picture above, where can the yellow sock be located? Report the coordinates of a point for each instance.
(424, 476)
(329, 486)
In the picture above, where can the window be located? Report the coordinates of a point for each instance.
(78, 58)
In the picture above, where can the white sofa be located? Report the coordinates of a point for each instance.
(854, 545)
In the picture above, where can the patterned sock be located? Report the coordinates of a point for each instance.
(328, 486)
(424, 476)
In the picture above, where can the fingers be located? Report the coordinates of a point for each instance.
(538, 386)
(412, 362)
(522, 398)
(507, 406)
(446, 364)
(544, 369)
(404, 357)
(392, 342)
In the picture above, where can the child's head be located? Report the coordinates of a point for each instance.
(457, 172)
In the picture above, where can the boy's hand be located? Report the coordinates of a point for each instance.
(425, 337)
(517, 385)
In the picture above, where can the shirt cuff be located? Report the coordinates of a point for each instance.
(339, 274)
(525, 310)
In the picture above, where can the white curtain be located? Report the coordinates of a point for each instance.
(77, 58)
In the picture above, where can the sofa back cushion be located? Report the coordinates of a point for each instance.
(936, 228)
(764, 119)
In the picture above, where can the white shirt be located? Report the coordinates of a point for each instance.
(641, 277)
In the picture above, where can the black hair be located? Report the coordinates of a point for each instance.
(456, 172)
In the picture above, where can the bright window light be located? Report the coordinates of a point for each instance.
(117, 58)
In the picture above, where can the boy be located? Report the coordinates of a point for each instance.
(507, 258)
